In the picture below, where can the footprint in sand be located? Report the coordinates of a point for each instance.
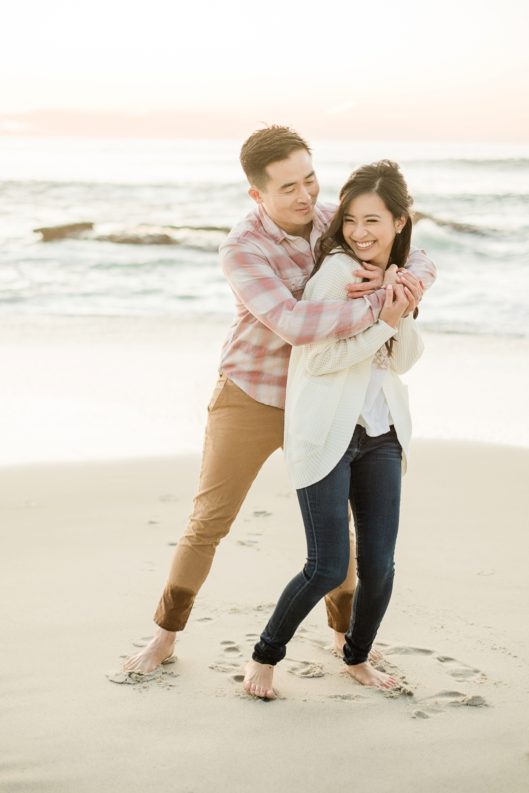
(168, 498)
(406, 650)
(162, 676)
(230, 648)
(461, 672)
(249, 544)
(344, 697)
(307, 669)
(234, 671)
(442, 700)
(142, 642)
(264, 607)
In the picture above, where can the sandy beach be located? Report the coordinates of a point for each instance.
(87, 543)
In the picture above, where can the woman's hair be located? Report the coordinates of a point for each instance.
(386, 180)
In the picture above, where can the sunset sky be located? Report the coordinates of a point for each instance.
(457, 70)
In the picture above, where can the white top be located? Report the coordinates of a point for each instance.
(375, 416)
(328, 382)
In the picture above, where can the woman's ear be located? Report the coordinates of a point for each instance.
(400, 223)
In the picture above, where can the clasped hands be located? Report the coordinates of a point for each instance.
(405, 284)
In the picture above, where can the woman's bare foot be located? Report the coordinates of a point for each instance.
(159, 649)
(368, 676)
(258, 680)
(339, 640)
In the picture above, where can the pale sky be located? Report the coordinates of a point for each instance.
(452, 69)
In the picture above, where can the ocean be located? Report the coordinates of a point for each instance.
(477, 232)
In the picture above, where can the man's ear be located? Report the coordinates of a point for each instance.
(255, 194)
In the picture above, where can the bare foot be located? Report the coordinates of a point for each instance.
(258, 680)
(159, 649)
(339, 640)
(368, 676)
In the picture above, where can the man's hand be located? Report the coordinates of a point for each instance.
(373, 277)
(391, 276)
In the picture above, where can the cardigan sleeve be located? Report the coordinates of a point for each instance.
(408, 346)
(333, 355)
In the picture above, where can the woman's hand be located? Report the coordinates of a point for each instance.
(395, 304)
(413, 289)
(373, 277)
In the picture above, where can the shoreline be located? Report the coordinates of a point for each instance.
(85, 389)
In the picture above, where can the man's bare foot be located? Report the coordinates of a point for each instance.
(159, 649)
(258, 680)
(339, 640)
(368, 676)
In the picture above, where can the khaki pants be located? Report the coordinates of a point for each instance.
(240, 436)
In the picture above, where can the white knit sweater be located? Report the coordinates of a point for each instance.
(327, 382)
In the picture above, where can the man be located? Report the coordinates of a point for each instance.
(267, 259)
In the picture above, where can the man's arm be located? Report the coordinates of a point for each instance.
(297, 322)
(418, 263)
(422, 267)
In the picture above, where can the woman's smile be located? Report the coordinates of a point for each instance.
(367, 214)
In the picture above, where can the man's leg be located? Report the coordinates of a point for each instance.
(240, 435)
(339, 602)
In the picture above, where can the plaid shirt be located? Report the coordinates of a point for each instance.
(267, 270)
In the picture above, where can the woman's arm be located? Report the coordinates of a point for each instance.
(327, 357)
(333, 355)
(408, 346)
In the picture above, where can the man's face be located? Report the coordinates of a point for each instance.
(290, 193)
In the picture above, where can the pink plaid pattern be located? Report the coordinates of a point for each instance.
(267, 270)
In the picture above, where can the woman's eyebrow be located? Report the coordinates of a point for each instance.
(370, 215)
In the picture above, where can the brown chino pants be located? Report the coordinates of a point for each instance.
(240, 436)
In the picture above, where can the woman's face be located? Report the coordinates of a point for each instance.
(369, 228)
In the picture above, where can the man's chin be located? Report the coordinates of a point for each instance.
(302, 218)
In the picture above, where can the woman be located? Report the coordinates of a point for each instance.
(347, 428)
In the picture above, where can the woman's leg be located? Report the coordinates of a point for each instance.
(324, 507)
(375, 501)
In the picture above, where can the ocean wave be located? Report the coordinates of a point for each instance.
(209, 237)
(474, 162)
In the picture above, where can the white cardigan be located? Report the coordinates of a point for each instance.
(328, 380)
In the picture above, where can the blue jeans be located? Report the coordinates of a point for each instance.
(368, 477)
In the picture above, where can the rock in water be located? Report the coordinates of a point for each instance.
(60, 232)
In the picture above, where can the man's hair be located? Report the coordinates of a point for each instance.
(265, 146)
